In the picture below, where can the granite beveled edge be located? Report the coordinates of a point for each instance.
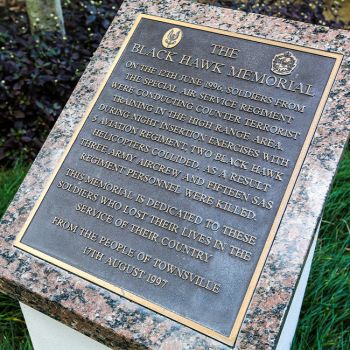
(114, 320)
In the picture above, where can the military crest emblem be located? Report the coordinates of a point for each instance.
(284, 63)
(172, 37)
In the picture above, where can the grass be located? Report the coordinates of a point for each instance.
(325, 315)
(13, 332)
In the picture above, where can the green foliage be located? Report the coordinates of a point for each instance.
(10, 179)
(13, 333)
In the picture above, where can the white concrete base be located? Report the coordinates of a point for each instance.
(47, 333)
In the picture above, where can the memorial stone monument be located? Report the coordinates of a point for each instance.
(174, 204)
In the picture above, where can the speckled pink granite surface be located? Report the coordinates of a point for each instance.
(121, 324)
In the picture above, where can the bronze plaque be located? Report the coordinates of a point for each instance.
(172, 188)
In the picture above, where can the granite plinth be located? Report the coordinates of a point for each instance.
(114, 320)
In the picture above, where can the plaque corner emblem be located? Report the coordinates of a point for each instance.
(172, 37)
(284, 63)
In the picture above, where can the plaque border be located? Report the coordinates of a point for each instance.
(228, 340)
